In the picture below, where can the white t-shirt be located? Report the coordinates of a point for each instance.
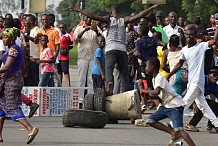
(194, 56)
(169, 30)
(169, 97)
(34, 48)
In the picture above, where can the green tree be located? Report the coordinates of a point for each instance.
(70, 18)
(200, 8)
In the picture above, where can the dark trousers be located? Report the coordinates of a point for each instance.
(120, 57)
(198, 116)
(97, 82)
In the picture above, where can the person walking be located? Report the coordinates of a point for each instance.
(194, 54)
(12, 84)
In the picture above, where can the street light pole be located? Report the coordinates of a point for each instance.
(22, 5)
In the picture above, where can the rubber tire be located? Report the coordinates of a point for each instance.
(84, 118)
(99, 100)
(89, 102)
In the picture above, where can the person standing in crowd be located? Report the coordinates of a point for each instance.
(12, 84)
(194, 54)
(166, 21)
(181, 22)
(173, 28)
(115, 42)
(32, 77)
(159, 18)
(154, 27)
(145, 48)
(172, 55)
(53, 36)
(51, 21)
(172, 105)
(98, 69)
(131, 38)
(1, 23)
(47, 61)
(211, 30)
(66, 44)
(210, 87)
(85, 35)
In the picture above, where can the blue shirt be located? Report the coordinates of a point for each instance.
(99, 53)
(147, 47)
(210, 88)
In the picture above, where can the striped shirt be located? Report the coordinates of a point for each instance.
(211, 32)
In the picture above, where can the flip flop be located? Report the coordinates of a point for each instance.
(32, 135)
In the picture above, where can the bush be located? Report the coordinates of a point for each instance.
(73, 55)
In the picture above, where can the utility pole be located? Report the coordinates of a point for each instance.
(22, 5)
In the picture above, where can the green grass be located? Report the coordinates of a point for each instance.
(73, 55)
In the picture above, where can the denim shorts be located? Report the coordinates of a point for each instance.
(174, 114)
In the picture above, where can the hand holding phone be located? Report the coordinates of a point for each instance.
(94, 24)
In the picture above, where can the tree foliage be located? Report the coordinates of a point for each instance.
(186, 8)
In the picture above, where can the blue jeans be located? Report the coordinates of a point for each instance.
(120, 57)
(46, 79)
(174, 114)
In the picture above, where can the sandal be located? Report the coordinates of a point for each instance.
(143, 108)
(32, 135)
(1, 140)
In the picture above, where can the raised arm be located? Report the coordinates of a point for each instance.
(130, 19)
(105, 19)
(212, 42)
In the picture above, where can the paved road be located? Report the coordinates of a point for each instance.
(52, 133)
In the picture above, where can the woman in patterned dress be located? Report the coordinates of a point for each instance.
(11, 84)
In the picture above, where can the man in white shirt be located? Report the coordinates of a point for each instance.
(86, 37)
(194, 54)
(173, 28)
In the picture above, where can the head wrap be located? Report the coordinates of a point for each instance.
(11, 32)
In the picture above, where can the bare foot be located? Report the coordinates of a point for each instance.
(110, 88)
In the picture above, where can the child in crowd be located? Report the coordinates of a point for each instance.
(98, 69)
(172, 105)
(47, 61)
(145, 49)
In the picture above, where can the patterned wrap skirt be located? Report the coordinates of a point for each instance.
(10, 101)
(179, 80)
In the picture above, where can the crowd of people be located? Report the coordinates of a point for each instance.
(171, 62)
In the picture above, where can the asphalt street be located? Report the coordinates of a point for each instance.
(53, 133)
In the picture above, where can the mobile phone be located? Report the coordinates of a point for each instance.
(216, 16)
(94, 24)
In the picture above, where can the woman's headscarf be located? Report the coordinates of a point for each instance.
(11, 32)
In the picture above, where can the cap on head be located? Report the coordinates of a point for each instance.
(214, 70)
(201, 33)
(152, 18)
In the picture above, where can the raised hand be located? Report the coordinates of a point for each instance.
(76, 9)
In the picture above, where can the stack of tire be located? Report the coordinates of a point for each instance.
(99, 108)
(93, 115)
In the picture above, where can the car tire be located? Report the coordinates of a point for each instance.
(84, 118)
